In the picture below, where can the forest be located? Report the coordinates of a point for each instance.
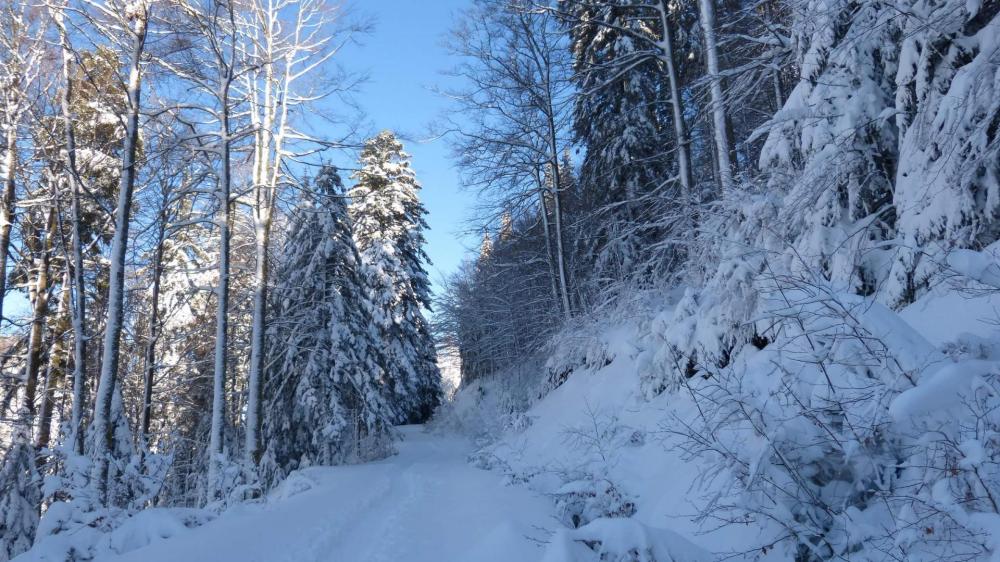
(747, 245)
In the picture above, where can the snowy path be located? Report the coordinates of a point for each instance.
(424, 504)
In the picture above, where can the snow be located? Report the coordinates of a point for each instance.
(424, 504)
(980, 266)
(619, 539)
(603, 412)
(945, 390)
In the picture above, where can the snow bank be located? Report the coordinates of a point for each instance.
(111, 535)
(597, 443)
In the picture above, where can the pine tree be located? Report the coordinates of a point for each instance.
(388, 226)
(328, 403)
(618, 117)
(947, 192)
(832, 152)
(20, 498)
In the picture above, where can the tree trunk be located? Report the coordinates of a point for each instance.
(560, 252)
(56, 370)
(39, 310)
(256, 378)
(78, 289)
(215, 447)
(722, 145)
(149, 370)
(557, 218)
(7, 208)
(103, 432)
(676, 104)
(549, 255)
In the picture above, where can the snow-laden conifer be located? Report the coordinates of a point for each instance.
(326, 400)
(389, 228)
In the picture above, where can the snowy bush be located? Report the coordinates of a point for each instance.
(621, 540)
(99, 534)
(485, 408)
(851, 432)
(588, 498)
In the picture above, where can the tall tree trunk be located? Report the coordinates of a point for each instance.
(78, 289)
(549, 254)
(149, 367)
(557, 218)
(256, 378)
(676, 103)
(103, 432)
(722, 145)
(7, 207)
(268, 154)
(56, 370)
(215, 447)
(39, 292)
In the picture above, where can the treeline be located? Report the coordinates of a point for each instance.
(633, 144)
(752, 190)
(600, 139)
(209, 307)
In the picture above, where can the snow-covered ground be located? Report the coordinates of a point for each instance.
(425, 504)
(594, 447)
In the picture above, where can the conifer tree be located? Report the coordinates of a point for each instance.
(618, 117)
(327, 403)
(947, 192)
(388, 226)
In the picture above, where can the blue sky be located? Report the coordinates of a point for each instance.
(404, 58)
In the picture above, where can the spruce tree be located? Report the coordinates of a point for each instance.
(947, 191)
(327, 404)
(20, 498)
(388, 226)
(617, 117)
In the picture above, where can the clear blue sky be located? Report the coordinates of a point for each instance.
(404, 58)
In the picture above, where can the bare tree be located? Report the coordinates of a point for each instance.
(21, 53)
(78, 298)
(127, 25)
(517, 63)
(287, 45)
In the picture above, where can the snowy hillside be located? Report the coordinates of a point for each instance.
(598, 446)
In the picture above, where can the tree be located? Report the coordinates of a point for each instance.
(720, 126)
(77, 292)
(287, 42)
(518, 64)
(21, 53)
(618, 118)
(946, 116)
(388, 225)
(328, 404)
(212, 62)
(131, 23)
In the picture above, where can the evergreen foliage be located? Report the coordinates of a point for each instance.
(388, 226)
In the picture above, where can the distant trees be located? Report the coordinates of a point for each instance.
(516, 120)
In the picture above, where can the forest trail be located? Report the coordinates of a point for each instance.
(424, 504)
